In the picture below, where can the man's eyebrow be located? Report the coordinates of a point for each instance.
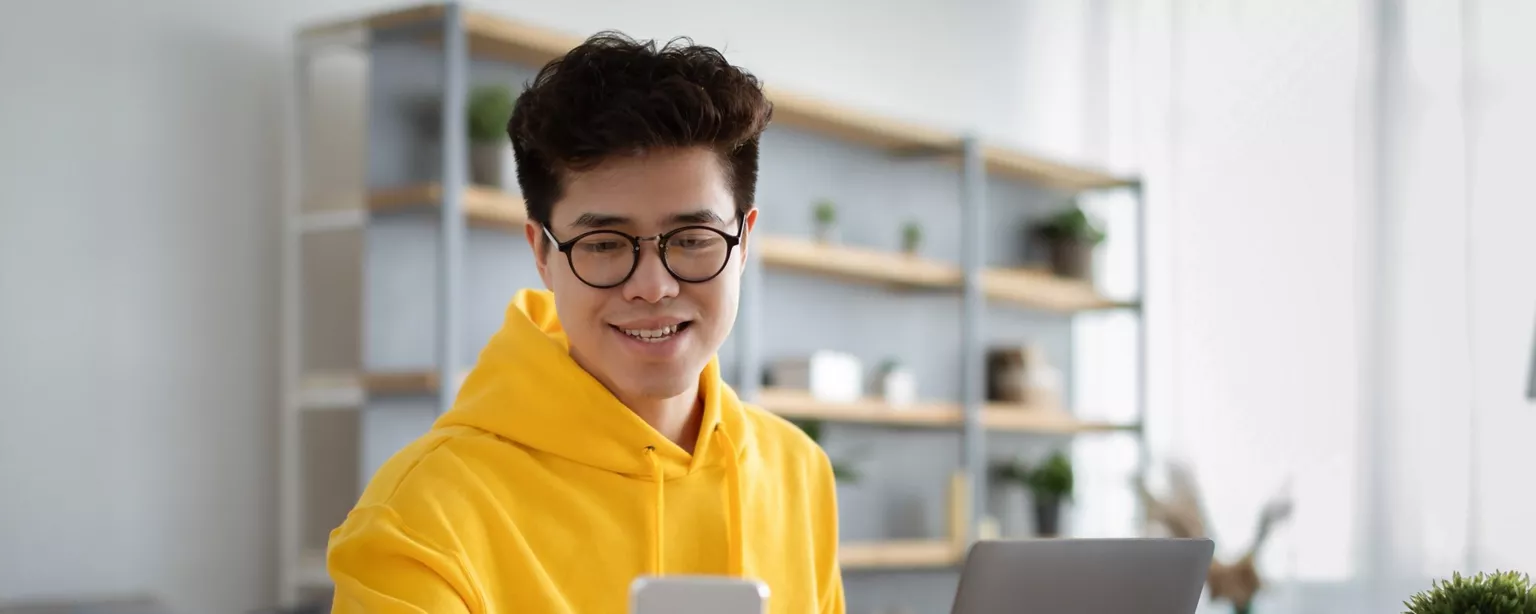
(702, 216)
(599, 220)
(605, 220)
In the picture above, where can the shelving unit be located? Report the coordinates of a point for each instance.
(401, 364)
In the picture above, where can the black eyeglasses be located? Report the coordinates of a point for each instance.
(607, 258)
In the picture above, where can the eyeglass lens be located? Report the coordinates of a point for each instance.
(691, 254)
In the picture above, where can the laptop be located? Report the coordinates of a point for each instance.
(1084, 576)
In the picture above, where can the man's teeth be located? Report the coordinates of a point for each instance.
(655, 334)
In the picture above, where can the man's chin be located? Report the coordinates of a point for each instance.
(656, 381)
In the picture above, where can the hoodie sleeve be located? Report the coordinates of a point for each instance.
(381, 566)
(830, 580)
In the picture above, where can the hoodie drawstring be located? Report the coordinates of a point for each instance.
(734, 548)
(660, 477)
(735, 555)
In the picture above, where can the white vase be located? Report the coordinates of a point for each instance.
(898, 387)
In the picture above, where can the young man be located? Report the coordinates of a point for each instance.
(594, 441)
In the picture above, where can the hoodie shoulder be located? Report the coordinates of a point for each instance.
(425, 468)
(774, 432)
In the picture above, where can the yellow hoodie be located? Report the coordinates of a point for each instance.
(540, 492)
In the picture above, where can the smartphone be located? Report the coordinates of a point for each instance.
(697, 595)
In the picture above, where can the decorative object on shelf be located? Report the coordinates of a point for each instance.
(1182, 514)
(1070, 237)
(1005, 375)
(1007, 495)
(911, 238)
(1023, 377)
(1050, 487)
(1500, 592)
(833, 377)
(896, 383)
(959, 510)
(490, 156)
(826, 221)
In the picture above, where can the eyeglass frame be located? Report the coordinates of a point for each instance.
(731, 242)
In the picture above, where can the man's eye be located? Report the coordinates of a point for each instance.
(599, 247)
(694, 241)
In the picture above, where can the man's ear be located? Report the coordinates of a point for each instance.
(746, 234)
(538, 242)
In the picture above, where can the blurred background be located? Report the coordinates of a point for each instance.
(1311, 290)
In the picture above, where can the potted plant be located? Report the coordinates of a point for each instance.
(826, 221)
(1501, 592)
(490, 106)
(1070, 237)
(911, 237)
(1050, 485)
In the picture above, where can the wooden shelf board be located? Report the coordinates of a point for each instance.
(1015, 164)
(400, 382)
(1004, 418)
(898, 554)
(404, 381)
(855, 263)
(329, 390)
(484, 206)
(493, 36)
(497, 37)
(800, 405)
(1027, 287)
(1041, 290)
(376, 21)
(849, 124)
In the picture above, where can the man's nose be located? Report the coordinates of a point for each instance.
(651, 282)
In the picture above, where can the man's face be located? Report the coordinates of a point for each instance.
(650, 336)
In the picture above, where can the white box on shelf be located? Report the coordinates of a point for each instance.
(833, 377)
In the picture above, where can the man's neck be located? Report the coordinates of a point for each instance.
(676, 418)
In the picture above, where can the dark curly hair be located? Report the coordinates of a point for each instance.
(615, 96)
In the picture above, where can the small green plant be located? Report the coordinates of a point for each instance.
(1501, 592)
(911, 236)
(826, 211)
(1052, 479)
(1072, 224)
(1009, 472)
(490, 106)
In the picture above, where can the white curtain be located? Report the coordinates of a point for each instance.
(1343, 278)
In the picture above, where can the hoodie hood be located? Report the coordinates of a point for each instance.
(527, 388)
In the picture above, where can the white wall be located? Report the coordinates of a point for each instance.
(136, 307)
(1503, 281)
(140, 181)
(1465, 283)
(1336, 301)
